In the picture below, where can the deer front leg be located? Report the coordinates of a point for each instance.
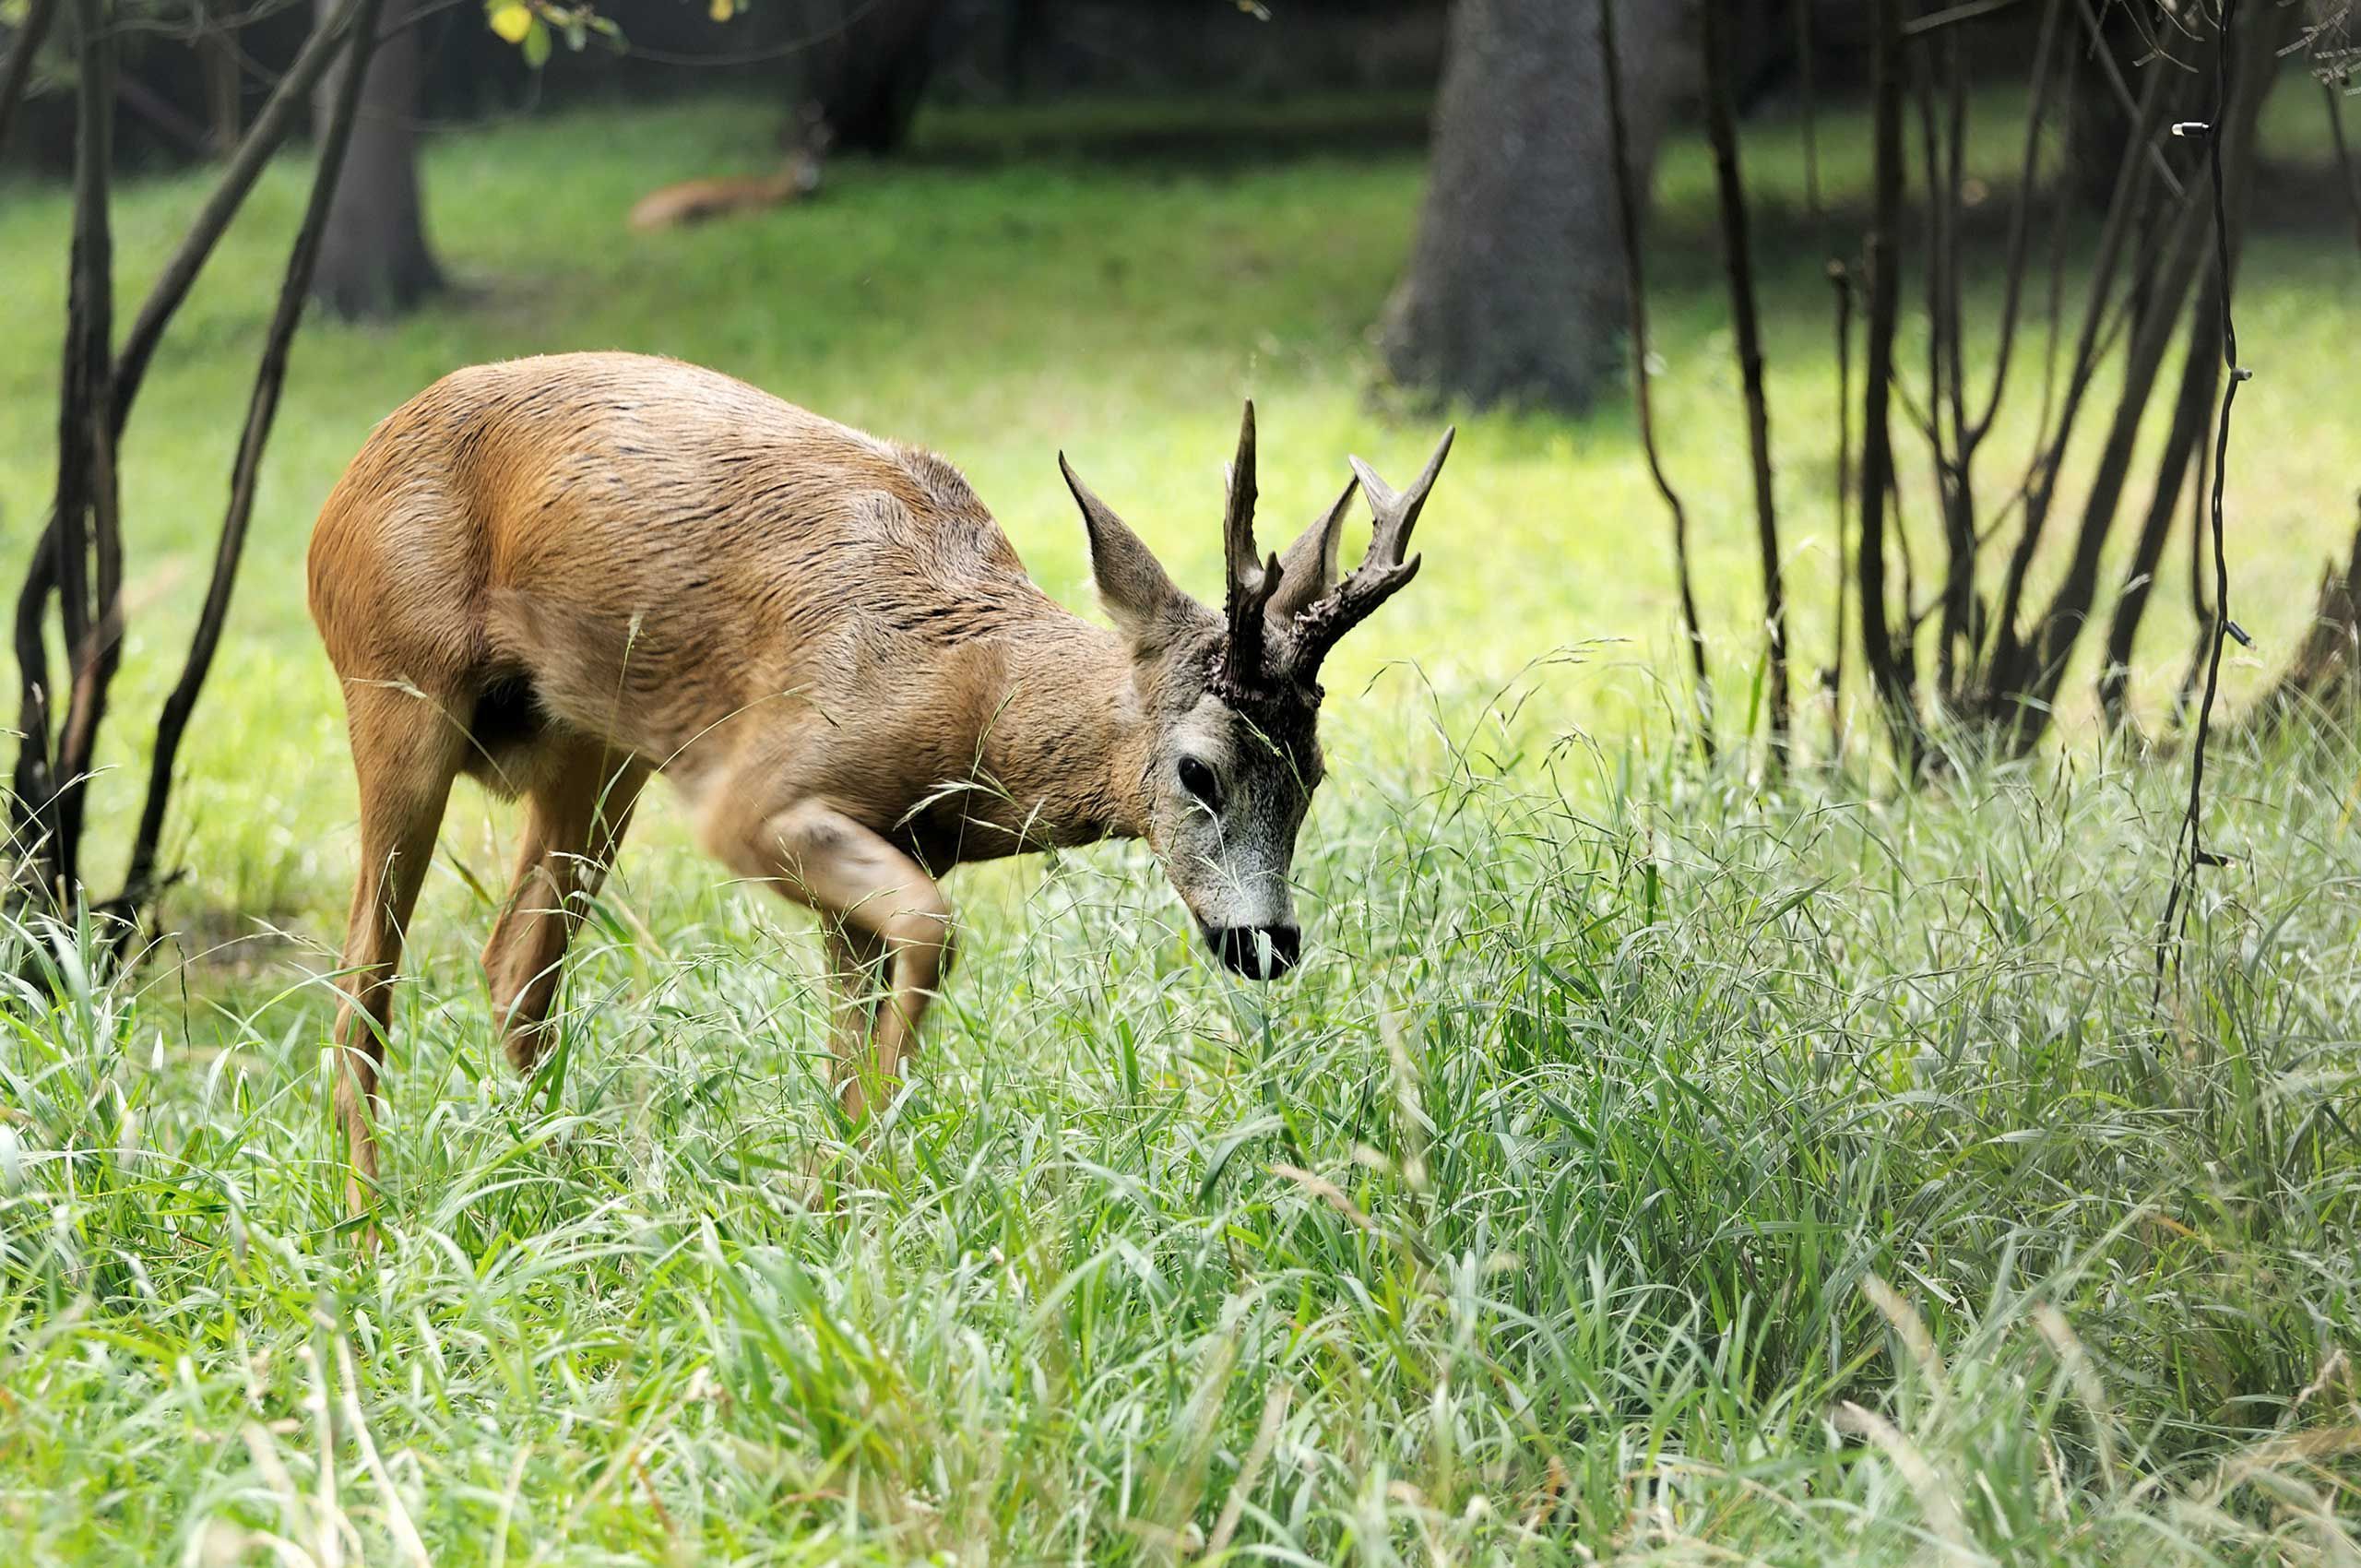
(579, 808)
(880, 900)
(855, 974)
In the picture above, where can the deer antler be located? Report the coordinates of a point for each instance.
(1251, 581)
(1382, 572)
(1308, 567)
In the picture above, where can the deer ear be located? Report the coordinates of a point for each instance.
(1140, 597)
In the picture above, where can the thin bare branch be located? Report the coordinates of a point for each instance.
(270, 376)
(2184, 440)
(1635, 293)
(1721, 130)
(1833, 677)
(2123, 94)
(2047, 70)
(1952, 16)
(1941, 137)
(16, 79)
(2004, 665)
(238, 176)
(2025, 685)
(1804, 86)
(1889, 665)
(170, 290)
(2189, 855)
(2230, 157)
(86, 478)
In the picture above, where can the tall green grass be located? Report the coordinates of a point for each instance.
(1643, 1168)
(1647, 1166)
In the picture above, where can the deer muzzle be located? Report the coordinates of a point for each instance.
(1258, 952)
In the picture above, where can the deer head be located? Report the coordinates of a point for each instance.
(1231, 701)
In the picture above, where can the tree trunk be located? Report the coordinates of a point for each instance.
(1514, 290)
(864, 78)
(2319, 681)
(374, 257)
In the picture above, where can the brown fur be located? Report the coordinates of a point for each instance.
(562, 575)
(611, 565)
(693, 201)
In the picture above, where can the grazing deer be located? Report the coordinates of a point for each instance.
(561, 576)
(693, 201)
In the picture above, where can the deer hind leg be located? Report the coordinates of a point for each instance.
(579, 803)
(880, 900)
(406, 750)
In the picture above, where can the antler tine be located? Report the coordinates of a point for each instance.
(1394, 515)
(1308, 567)
(1383, 572)
(1238, 518)
(1252, 580)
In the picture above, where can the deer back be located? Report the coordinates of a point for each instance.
(677, 563)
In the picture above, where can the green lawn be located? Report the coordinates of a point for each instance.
(1625, 1127)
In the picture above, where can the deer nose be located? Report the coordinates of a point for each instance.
(1258, 952)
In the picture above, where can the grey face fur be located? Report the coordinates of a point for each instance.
(1227, 800)
(1225, 794)
(1233, 700)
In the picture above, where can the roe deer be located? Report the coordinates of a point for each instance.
(564, 574)
(693, 201)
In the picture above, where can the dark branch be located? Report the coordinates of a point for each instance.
(1889, 664)
(1635, 293)
(2192, 405)
(2189, 854)
(1833, 677)
(1721, 130)
(2048, 69)
(1952, 16)
(18, 75)
(2230, 162)
(34, 783)
(2005, 667)
(86, 487)
(270, 376)
(245, 166)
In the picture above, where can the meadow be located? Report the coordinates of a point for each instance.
(1649, 1163)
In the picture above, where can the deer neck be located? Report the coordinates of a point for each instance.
(1065, 742)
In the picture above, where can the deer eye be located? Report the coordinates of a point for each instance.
(1198, 780)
